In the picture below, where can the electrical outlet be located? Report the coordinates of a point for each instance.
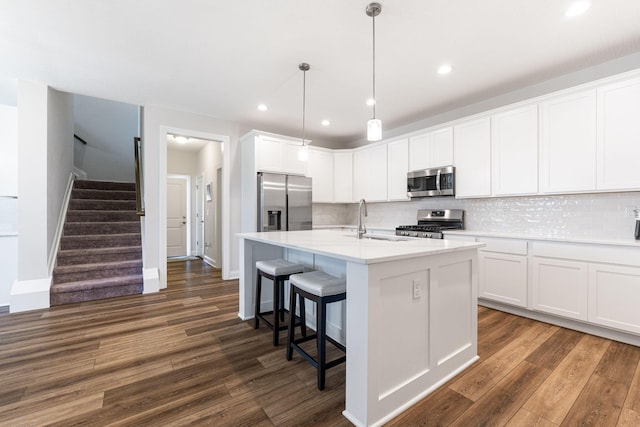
(629, 211)
(417, 289)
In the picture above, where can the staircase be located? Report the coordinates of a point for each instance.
(100, 253)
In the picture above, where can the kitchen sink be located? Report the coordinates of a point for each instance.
(388, 238)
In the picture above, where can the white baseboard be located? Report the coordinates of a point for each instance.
(151, 277)
(79, 173)
(212, 262)
(233, 274)
(30, 295)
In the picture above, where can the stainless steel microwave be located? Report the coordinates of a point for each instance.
(431, 182)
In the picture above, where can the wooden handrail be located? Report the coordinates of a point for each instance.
(137, 149)
(80, 139)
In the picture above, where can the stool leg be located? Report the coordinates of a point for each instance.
(281, 288)
(292, 320)
(256, 319)
(321, 320)
(303, 316)
(276, 309)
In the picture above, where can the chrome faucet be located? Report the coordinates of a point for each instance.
(361, 227)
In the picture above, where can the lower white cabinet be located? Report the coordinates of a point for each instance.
(503, 277)
(560, 287)
(614, 293)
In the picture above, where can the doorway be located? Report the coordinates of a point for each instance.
(200, 195)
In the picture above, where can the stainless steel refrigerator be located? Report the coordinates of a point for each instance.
(284, 202)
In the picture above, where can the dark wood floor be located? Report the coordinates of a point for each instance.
(182, 357)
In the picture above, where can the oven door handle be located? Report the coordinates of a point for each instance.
(438, 182)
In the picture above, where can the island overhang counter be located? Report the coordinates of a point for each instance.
(410, 321)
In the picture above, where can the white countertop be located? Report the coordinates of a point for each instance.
(345, 245)
(552, 238)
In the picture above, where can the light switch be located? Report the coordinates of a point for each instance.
(417, 289)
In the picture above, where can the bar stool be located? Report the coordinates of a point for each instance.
(323, 289)
(277, 270)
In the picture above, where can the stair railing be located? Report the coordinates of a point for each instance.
(137, 148)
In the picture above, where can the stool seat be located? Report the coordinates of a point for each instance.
(279, 267)
(322, 289)
(319, 283)
(276, 270)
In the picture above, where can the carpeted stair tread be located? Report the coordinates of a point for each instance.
(89, 241)
(104, 185)
(81, 193)
(88, 290)
(89, 215)
(94, 255)
(88, 228)
(104, 205)
(109, 268)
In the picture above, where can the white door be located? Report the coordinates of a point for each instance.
(176, 217)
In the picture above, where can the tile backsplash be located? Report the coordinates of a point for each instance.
(602, 215)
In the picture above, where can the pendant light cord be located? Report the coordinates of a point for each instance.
(373, 16)
(304, 99)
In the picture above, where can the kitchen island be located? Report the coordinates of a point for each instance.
(410, 321)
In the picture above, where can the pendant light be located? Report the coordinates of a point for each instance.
(374, 126)
(303, 152)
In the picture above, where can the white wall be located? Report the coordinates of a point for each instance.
(209, 160)
(109, 128)
(157, 122)
(8, 205)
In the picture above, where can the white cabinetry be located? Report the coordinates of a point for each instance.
(568, 143)
(431, 149)
(321, 173)
(503, 271)
(560, 287)
(370, 173)
(398, 166)
(514, 148)
(472, 154)
(278, 156)
(293, 165)
(343, 176)
(614, 292)
(619, 135)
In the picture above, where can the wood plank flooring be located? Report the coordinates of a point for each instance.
(182, 357)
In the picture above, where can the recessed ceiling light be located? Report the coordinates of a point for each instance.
(445, 69)
(181, 139)
(263, 107)
(371, 102)
(577, 8)
(326, 123)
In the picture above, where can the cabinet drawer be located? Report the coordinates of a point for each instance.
(622, 255)
(507, 246)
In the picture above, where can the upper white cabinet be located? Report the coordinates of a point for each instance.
(619, 135)
(321, 173)
(279, 156)
(568, 143)
(514, 149)
(431, 149)
(343, 176)
(370, 173)
(472, 153)
(398, 166)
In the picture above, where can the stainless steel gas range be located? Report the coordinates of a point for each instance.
(431, 223)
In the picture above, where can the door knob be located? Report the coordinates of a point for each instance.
(184, 222)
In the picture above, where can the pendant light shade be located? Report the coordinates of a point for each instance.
(374, 126)
(303, 151)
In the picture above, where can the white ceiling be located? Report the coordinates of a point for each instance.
(223, 57)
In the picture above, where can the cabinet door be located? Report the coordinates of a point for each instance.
(377, 182)
(503, 278)
(441, 148)
(614, 292)
(419, 148)
(270, 155)
(514, 149)
(619, 136)
(292, 164)
(398, 165)
(560, 287)
(321, 172)
(568, 143)
(343, 177)
(472, 148)
(361, 165)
